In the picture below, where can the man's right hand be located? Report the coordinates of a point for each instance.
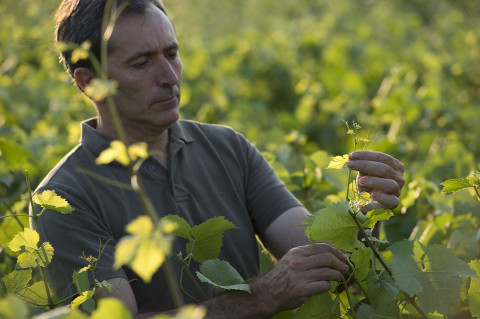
(302, 272)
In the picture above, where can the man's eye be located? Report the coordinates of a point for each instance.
(172, 55)
(140, 65)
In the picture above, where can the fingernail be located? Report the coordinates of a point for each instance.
(362, 181)
(353, 155)
(351, 164)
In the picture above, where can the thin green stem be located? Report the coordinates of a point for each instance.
(349, 298)
(15, 215)
(172, 284)
(476, 191)
(190, 275)
(384, 265)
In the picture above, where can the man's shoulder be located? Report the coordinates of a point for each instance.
(216, 132)
(67, 168)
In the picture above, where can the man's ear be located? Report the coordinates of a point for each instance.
(83, 76)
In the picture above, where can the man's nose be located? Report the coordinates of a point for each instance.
(167, 73)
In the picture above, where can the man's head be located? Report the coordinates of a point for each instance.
(78, 21)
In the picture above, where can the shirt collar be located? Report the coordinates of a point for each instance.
(96, 142)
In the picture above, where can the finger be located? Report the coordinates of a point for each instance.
(377, 169)
(327, 261)
(321, 274)
(378, 157)
(387, 201)
(320, 248)
(317, 287)
(387, 186)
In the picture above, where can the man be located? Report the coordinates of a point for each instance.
(198, 171)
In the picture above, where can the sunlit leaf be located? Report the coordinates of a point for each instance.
(138, 150)
(81, 52)
(99, 89)
(85, 296)
(111, 308)
(12, 307)
(221, 274)
(377, 215)
(183, 229)
(42, 255)
(80, 279)
(146, 248)
(17, 280)
(116, 152)
(27, 239)
(454, 185)
(50, 200)
(338, 162)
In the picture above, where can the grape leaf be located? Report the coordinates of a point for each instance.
(80, 279)
(116, 152)
(17, 280)
(221, 274)
(12, 307)
(375, 216)
(146, 248)
(318, 307)
(36, 294)
(85, 296)
(474, 289)
(456, 184)
(26, 242)
(338, 161)
(50, 200)
(361, 258)
(432, 272)
(334, 224)
(183, 229)
(208, 238)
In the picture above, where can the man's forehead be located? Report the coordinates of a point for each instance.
(135, 28)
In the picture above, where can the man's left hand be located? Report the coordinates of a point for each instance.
(379, 174)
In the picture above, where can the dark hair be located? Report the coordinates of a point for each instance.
(78, 21)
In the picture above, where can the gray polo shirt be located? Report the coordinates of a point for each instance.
(212, 171)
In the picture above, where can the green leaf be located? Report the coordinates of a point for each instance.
(456, 184)
(186, 312)
(27, 239)
(42, 255)
(221, 274)
(375, 216)
(17, 280)
(382, 293)
(208, 238)
(35, 294)
(334, 224)
(361, 258)
(146, 248)
(183, 229)
(473, 295)
(338, 161)
(116, 152)
(80, 300)
(432, 272)
(12, 307)
(27, 243)
(80, 279)
(318, 307)
(50, 200)
(104, 284)
(111, 308)
(99, 89)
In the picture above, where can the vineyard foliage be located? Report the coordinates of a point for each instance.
(284, 74)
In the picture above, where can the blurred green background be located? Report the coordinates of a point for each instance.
(283, 73)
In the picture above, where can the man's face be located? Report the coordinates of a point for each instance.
(143, 59)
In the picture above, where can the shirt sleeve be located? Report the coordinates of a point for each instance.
(72, 236)
(267, 196)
